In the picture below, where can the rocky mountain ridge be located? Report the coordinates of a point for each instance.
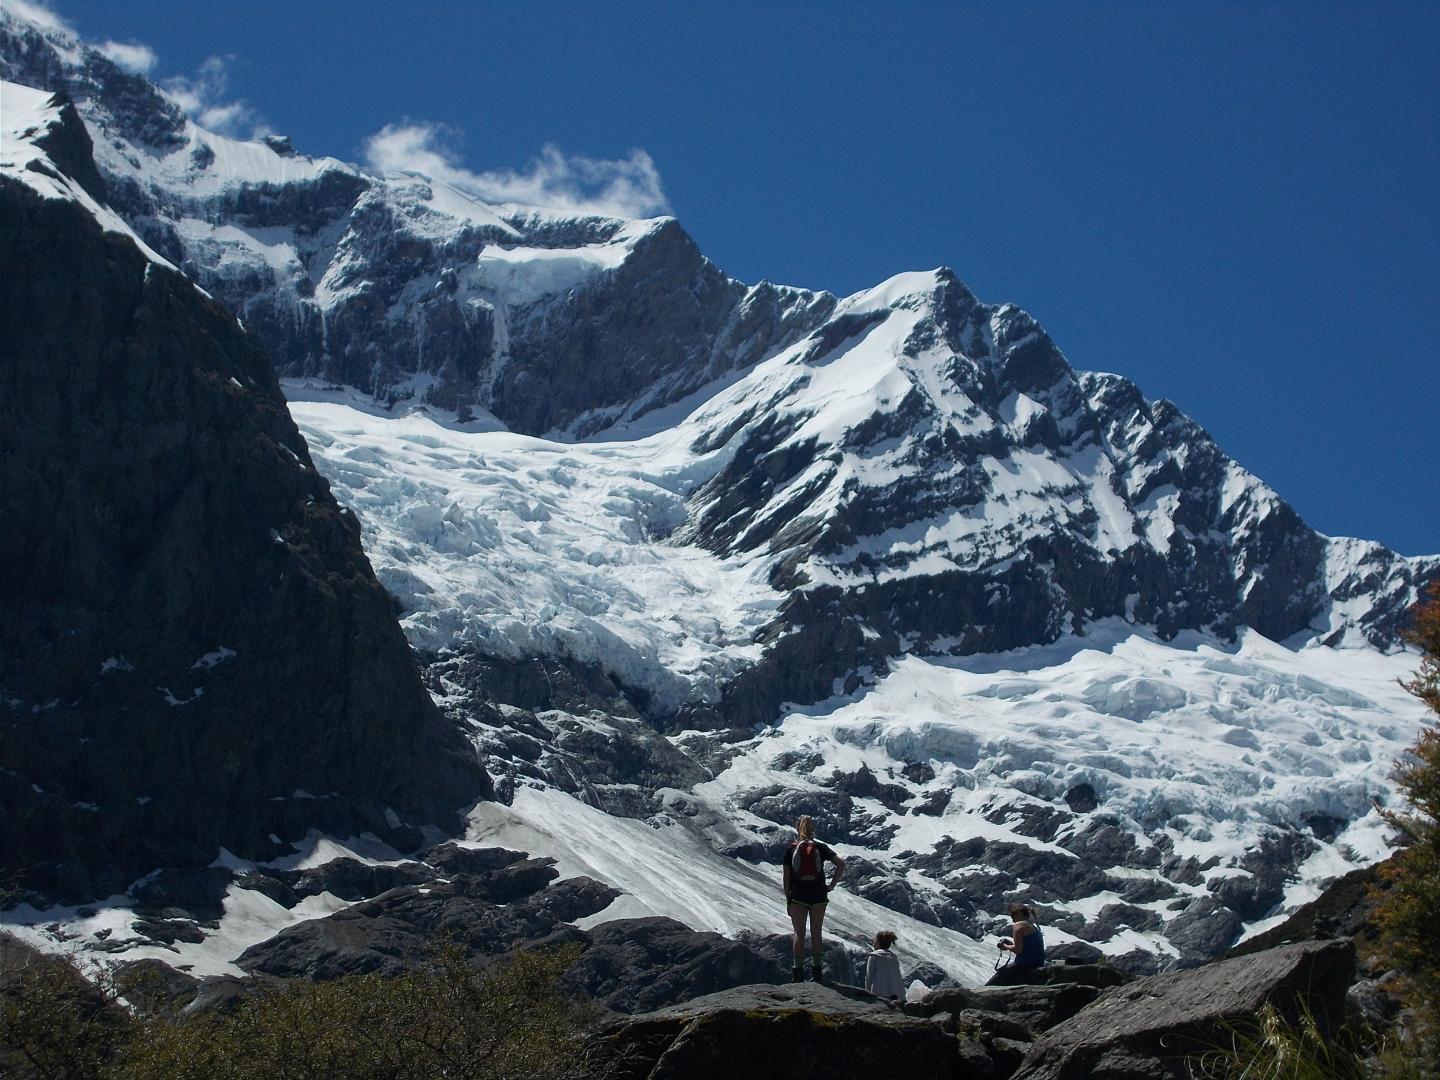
(406, 287)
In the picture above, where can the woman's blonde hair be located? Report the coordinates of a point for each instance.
(806, 827)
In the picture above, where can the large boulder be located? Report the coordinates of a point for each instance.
(1056, 992)
(636, 965)
(1147, 1028)
(800, 1030)
(1039, 1007)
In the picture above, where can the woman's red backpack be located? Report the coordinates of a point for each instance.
(806, 861)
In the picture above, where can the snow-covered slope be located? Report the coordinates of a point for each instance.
(32, 122)
(1154, 797)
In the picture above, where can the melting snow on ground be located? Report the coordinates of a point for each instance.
(92, 933)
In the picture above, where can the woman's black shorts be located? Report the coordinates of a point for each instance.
(808, 893)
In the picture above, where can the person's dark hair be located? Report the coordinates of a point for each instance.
(884, 939)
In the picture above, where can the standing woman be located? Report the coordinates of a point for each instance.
(806, 894)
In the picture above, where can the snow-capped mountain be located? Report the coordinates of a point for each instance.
(407, 287)
(688, 557)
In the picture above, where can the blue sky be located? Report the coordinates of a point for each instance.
(1235, 205)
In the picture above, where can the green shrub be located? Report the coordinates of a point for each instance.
(1408, 906)
(1273, 1048)
(452, 1019)
(55, 1023)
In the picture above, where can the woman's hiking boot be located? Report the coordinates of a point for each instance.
(797, 973)
(819, 973)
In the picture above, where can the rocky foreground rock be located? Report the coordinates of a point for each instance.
(1142, 1030)
(1148, 1027)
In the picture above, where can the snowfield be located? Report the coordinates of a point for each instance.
(1196, 741)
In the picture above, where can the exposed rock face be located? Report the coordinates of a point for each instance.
(1146, 1028)
(487, 913)
(191, 638)
(798, 1031)
(1344, 909)
(635, 965)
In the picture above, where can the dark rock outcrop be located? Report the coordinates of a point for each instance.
(1147, 1027)
(1059, 992)
(1142, 1030)
(1344, 909)
(191, 638)
(801, 1031)
(487, 914)
(839, 1030)
(635, 965)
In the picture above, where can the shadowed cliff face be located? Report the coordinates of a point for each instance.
(194, 651)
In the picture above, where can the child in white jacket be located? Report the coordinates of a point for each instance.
(882, 968)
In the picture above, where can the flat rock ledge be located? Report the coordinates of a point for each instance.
(1142, 1030)
(799, 1030)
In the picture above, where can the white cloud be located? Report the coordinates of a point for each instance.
(203, 97)
(40, 15)
(131, 56)
(628, 187)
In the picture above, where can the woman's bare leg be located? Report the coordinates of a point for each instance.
(817, 950)
(798, 914)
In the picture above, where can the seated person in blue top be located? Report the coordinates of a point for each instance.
(1026, 946)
